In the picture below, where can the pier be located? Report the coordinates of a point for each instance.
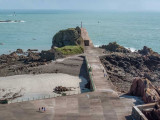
(103, 103)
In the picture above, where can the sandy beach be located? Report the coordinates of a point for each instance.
(39, 86)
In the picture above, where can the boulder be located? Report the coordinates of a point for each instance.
(114, 47)
(146, 51)
(13, 55)
(51, 54)
(33, 57)
(19, 51)
(156, 114)
(143, 87)
(32, 50)
(152, 113)
(71, 36)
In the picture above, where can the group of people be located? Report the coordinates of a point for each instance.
(43, 109)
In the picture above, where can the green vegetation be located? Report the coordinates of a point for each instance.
(70, 50)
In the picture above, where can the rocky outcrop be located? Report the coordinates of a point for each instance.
(43, 56)
(51, 54)
(147, 51)
(153, 113)
(32, 50)
(17, 63)
(114, 47)
(71, 36)
(19, 51)
(122, 68)
(33, 57)
(9, 58)
(144, 88)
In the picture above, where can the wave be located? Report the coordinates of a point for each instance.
(96, 45)
(22, 21)
(131, 49)
(13, 21)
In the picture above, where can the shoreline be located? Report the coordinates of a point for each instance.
(124, 66)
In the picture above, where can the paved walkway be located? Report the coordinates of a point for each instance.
(102, 104)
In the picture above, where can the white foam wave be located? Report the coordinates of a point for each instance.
(22, 21)
(18, 21)
(131, 49)
(96, 45)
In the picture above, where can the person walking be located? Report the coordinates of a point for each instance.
(39, 109)
(44, 109)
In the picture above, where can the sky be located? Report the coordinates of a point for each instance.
(108, 5)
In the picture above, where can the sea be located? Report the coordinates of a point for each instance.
(36, 28)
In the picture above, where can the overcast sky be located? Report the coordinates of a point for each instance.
(116, 5)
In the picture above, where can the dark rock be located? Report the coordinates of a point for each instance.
(121, 64)
(114, 47)
(152, 113)
(51, 54)
(22, 58)
(48, 55)
(146, 51)
(33, 56)
(130, 65)
(14, 55)
(60, 89)
(32, 50)
(19, 51)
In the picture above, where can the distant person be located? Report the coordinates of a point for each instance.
(39, 109)
(105, 75)
(44, 109)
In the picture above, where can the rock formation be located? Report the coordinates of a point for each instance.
(19, 51)
(15, 63)
(114, 47)
(144, 88)
(146, 51)
(71, 36)
(51, 54)
(122, 68)
(153, 113)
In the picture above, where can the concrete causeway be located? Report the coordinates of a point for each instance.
(102, 104)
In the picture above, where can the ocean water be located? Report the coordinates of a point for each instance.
(37, 28)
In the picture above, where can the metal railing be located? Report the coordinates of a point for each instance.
(54, 95)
